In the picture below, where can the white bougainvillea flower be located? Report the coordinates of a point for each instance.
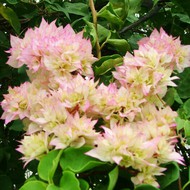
(34, 146)
(77, 131)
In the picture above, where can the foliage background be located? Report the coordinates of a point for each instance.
(120, 25)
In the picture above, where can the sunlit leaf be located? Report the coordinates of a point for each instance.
(69, 181)
(53, 187)
(172, 96)
(107, 63)
(48, 164)
(31, 185)
(83, 184)
(109, 14)
(82, 163)
(121, 45)
(145, 187)
(113, 176)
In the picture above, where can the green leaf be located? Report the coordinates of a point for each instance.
(187, 128)
(109, 14)
(34, 185)
(120, 7)
(103, 33)
(182, 17)
(113, 176)
(183, 87)
(172, 96)
(107, 63)
(146, 187)
(91, 31)
(58, 8)
(11, 17)
(155, 1)
(134, 6)
(186, 108)
(121, 45)
(69, 181)
(82, 163)
(171, 175)
(83, 184)
(180, 123)
(48, 164)
(17, 126)
(77, 8)
(184, 4)
(53, 187)
(13, 2)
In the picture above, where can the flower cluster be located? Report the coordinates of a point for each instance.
(151, 66)
(48, 48)
(61, 105)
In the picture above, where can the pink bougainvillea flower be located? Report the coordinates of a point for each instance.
(59, 50)
(169, 45)
(146, 71)
(15, 104)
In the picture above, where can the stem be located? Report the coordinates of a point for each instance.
(160, 99)
(94, 17)
(185, 185)
(179, 183)
(152, 12)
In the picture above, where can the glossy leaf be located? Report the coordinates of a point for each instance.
(53, 187)
(11, 17)
(48, 164)
(91, 31)
(77, 8)
(107, 63)
(109, 14)
(113, 176)
(31, 185)
(120, 7)
(83, 184)
(69, 181)
(121, 45)
(75, 160)
(146, 187)
(170, 175)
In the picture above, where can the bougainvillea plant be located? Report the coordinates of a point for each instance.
(78, 127)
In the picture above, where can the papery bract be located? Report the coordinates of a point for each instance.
(34, 146)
